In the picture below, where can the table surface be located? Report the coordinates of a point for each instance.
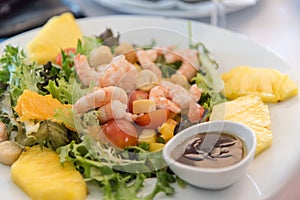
(272, 23)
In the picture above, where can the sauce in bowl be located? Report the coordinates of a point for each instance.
(211, 150)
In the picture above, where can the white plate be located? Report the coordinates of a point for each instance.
(270, 169)
(168, 8)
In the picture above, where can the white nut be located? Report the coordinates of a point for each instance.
(128, 50)
(146, 80)
(9, 152)
(3, 132)
(180, 80)
(99, 56)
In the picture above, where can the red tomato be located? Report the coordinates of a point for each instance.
(120, 133)
(136, 95)
(153, 119)
(58, 59)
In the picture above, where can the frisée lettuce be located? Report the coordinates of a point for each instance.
(119, 173)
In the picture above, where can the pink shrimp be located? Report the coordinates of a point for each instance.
(180, 95)
(85, 73)
(196, 92)
(190, 63)
(114, 71)
(187, 69)
(189, 58)
(118, 72)
(114, 110)
(175, 98)
(152, 54)
(195, 112)
(157, 51)
(128, 80)
(147, 63)
(99, 98)
(171, 96)
(163, 98)
(172, 56)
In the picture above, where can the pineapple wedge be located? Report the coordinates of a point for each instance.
(58, 33)
(39, 173)
(270, 84)
(251, 111)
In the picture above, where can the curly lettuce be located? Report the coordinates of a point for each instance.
(108, 168)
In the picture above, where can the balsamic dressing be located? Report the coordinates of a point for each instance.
(212, 150)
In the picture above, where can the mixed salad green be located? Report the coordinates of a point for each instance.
(120, 174)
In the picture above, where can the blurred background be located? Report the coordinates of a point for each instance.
(272, 23)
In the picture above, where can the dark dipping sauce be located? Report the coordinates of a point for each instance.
(211, 150)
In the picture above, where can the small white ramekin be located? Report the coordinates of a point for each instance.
(211, 178)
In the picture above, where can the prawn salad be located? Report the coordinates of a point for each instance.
(117, 104)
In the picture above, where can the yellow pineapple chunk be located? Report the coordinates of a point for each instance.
(39, 173)
(156, 147)
(271, 85)
(58, 33)
(251, 111)
(167, 129)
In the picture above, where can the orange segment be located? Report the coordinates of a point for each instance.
(32, 105)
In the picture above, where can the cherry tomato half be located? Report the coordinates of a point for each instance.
(153, 119)
(120, 133)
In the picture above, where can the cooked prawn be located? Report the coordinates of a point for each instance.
(85, 73)
(163, 98)
(100, 97)
(171, 96)
(176, 98)
(172, 56)
(147, 63)
(152, 54)
(191, 55)
(114, 72)
(180, 95)
(118, 72)
(196, 92)
(157, 51)
(128, 80)
(189, 58)
(3, 132)
(195, 112)
(187, 69)
(113, 110)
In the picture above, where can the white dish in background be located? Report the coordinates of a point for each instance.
(270, 169)
(168, 8)
(160, 4)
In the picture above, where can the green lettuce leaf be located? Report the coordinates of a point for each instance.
(22, 74)
(87, 44)
(118, 176)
